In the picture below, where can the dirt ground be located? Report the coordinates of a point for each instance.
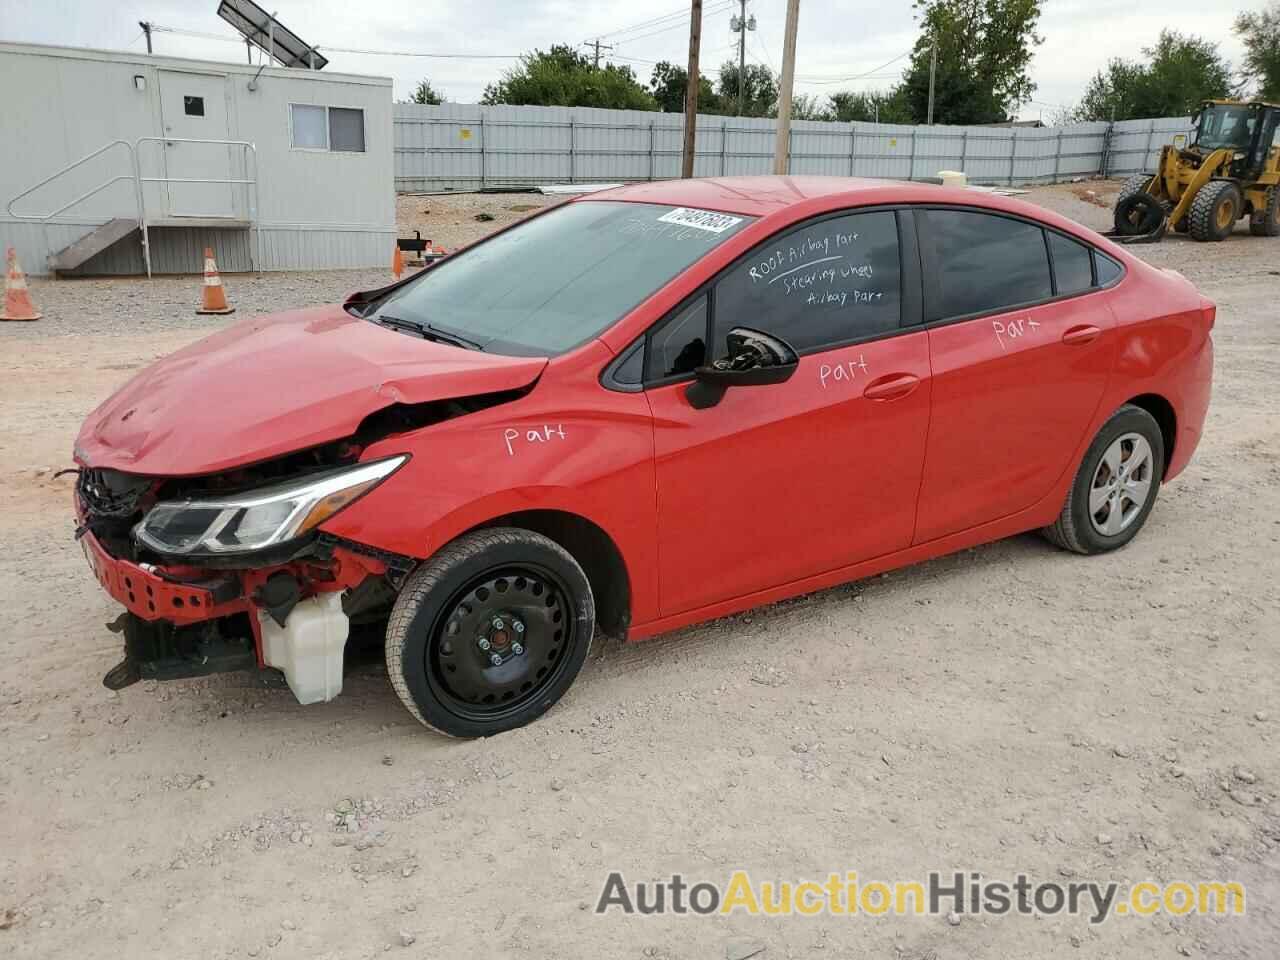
(1009, 709)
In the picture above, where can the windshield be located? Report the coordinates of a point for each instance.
(1225, 127)
(561, 278)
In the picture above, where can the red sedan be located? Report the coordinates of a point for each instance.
(644, 408)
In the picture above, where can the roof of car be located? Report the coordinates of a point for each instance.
(754, 196)
(774, 197)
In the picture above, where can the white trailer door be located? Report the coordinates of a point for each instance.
(194, 106)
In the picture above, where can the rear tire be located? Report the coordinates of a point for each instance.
(1215, 210)
(1116, 486)
(1133, 184)
(1266, 222)
(490, 632)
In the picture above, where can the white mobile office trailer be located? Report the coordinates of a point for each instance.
(111, 159)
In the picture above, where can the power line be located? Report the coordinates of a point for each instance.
(819, 79)
(618, 56)
(709, 11)
(681, 16)
(764, 48)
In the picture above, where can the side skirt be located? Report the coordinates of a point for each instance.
(1033, 518)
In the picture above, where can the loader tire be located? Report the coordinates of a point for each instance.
(1266, 222)
(1133, 184)
(1215, 210)
(1138, 214)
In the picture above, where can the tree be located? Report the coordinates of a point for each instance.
(1180, 72)
(884, 106)
(984, 52)
(760, 93)
(669, 83)
(425, 93)
(808, 106)
(565, 78)
(1260, 33)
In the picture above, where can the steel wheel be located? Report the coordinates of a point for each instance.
(1225, 216)
(1121, 484)
(500, 642)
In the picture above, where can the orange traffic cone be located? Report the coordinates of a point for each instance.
(397, 262)
(214, 297)
(17, 300)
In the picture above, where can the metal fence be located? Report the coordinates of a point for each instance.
(465, 147)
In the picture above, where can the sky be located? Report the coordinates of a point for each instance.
(837, 39)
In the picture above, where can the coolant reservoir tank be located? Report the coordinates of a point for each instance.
(309, 647)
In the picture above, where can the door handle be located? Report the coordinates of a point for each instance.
(891, 387)
(1076, 336)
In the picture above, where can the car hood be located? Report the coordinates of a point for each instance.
(273, 385)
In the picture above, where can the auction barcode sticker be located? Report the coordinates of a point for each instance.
(701, 219)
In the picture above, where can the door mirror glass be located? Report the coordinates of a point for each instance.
(754, 359)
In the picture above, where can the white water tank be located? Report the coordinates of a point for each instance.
(953, 178)
(309, 647)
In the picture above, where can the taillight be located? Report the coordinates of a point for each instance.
(1208, 310)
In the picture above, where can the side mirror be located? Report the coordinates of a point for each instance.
(755, 359)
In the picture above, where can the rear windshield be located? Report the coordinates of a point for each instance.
(561, 278)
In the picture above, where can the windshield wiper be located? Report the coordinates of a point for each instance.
(453, 338)
(398, 323)
(426, 331)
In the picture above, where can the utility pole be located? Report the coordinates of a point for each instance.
(691, 90)
(740, 25)
(146, 28)
(782, 146)
(933, 70)
(596, 44)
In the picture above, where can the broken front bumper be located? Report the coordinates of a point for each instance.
(148, 595)
(183, 621)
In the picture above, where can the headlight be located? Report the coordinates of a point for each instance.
(259, 518)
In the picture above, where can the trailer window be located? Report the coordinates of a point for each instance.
(337, 129)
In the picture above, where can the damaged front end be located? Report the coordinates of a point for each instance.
(231, 571)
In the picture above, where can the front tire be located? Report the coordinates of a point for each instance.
(490, 632)
(1215, 210)
(1116, 486)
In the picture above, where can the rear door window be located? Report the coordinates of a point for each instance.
(1072, 264)
(829, 282)
(986, 263)
(1108, 269)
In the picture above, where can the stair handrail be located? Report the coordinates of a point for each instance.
(249, 182)
(132, 175)
(135, 174)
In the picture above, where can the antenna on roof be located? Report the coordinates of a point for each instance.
(268, 34)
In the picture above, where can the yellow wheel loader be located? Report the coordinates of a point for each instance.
(1230, 170)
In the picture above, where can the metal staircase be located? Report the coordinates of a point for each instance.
(115, 229)
(91, 244)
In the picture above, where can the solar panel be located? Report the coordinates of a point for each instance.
(255, 25)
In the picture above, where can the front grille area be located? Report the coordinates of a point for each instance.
(112, 502)
(111, 495)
